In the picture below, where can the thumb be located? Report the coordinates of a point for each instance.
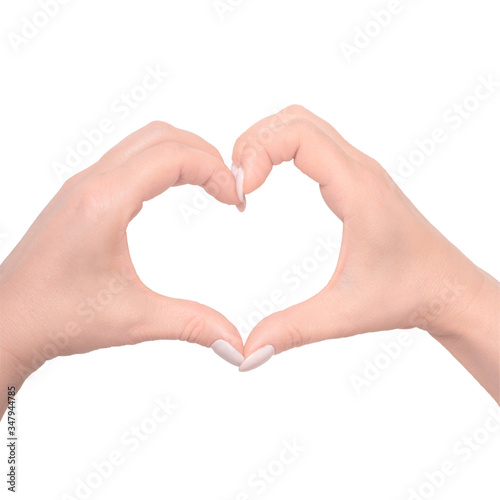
(178, 319)
(324, 316)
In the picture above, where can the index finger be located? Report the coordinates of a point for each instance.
(273, 140)
(151, 135)
(160, 167)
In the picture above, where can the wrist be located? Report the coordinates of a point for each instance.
(11, 378)
(11, 366)
(468, 304)
(18, 359)
(469, 329)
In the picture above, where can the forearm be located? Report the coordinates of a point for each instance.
(10, 378)
(471, 332)
(14, 365)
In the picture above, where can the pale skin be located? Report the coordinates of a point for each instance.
(395, 270)
(76, 253)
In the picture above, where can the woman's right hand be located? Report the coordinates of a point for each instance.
(70, 285)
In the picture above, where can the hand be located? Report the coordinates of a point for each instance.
(70, 285)
(395, 270)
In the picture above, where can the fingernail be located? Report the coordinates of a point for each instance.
(258, 358)
(239, 177)
(227, 352)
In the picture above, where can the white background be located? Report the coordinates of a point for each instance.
(225, 74)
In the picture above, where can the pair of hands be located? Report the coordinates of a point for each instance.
(70, 285)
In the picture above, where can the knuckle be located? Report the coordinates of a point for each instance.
(159, 128)
(213, 185)
(69, 184)
(194, 328)
(169, 148)
(296, 109)
(73, 181)
(376, 185)
(176, 152)
(301, 123)
(133, 324)
(374, 165)
(375, 174)
(91, 199)
(294, 336)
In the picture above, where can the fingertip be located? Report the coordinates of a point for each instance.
(225, 331)
(257, 358)
(268, 331)
(203, 325)
(252, 160)
(239, 179)
(222, 186)
(227, 352)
